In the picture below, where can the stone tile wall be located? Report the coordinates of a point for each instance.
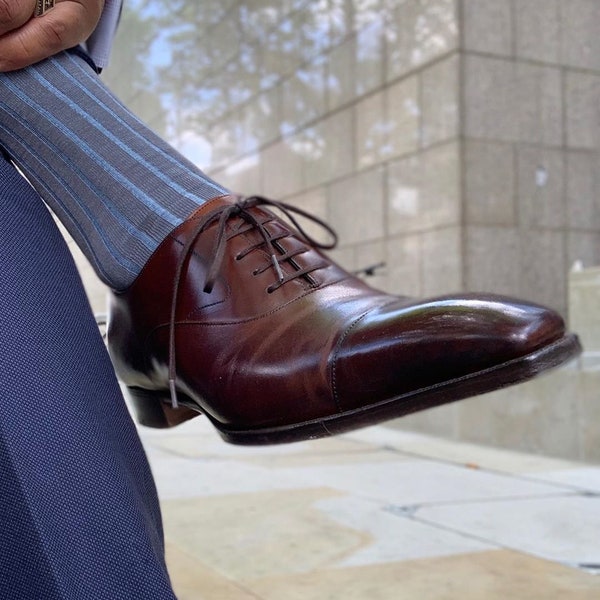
(530, 199)
(531, 126)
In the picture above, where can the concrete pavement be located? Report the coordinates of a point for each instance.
(375, 515)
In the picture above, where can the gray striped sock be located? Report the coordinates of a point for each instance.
(118, 188)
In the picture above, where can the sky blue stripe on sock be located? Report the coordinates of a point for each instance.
(205, 180)
(115, 140)
(127, 264)
(140, 235)
(159, 210)
(122, 261)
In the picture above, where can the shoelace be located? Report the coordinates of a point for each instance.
(222, 216)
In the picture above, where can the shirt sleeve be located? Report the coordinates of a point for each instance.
(100, 42)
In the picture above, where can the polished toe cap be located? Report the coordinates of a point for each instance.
(399, 348)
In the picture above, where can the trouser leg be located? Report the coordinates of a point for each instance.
(79, 515)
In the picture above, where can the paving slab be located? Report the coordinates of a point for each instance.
(495, 575)
(582, 478)
(565, 529)
(461, 453)
(376, 514)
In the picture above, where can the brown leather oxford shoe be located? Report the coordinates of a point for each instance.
(241, 317)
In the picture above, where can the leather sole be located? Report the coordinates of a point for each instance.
(153, 409)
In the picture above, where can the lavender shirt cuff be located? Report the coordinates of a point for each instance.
(99, 43)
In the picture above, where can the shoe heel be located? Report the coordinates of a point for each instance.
(153, 409)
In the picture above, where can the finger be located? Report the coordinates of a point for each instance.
(14, 14)
(65, 26)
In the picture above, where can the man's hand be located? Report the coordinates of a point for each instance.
(25, 40)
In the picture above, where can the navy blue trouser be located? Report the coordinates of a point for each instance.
(79, 515)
